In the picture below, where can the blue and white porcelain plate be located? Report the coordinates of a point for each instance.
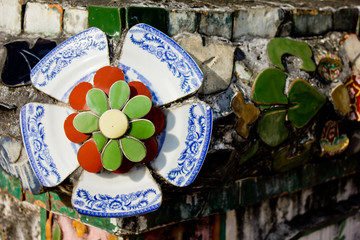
(151, 57)
(52, 156)
(108, 194)
(184, 143)
(73, 61)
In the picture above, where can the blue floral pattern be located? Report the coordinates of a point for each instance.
(54, 62)
(34, 138)
(121, 205)
(166, 50)
(192, 157)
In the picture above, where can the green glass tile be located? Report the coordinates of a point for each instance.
(269, 87)
(111, 157)
(100, 140)
(108, 19)
(141, 129)
(271, 127)
(56, 234)
(97, 101)
(133, 149)
(155, 17)
(277, 47)
(86, 122)
(305, 102)
(119, 94)
(137, 107)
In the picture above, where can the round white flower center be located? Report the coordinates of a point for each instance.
(113, 123)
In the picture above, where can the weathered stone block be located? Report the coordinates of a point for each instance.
(346, 19)
(215, 60)
(257, 22)
(181, 21)
(311, 22)
(216, 24)
(10, 16)
(43, 19)
(75, 20)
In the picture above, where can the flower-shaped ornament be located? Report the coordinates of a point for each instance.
(116, 125)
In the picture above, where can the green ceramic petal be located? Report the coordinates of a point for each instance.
(269, 87)
(111, 156)
(56, 234)
(305, 100)
(137, 107)
(277, 47)
(119, 94)
(133, 149)
(271, 127)
(86, 122)
(97, 101)
(100, 140)
(141, 129)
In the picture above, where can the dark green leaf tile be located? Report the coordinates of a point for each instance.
(305, 102)
(108, 19)
(155, 17)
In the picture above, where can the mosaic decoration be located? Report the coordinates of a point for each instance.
(329, 66)
(331, 141)
(111, 128)
(341, 99)
(353, 85)
(247, 114)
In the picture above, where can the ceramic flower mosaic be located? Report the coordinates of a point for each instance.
(113, 122)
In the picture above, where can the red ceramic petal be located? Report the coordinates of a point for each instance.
(138, 88)
(151, 150)
(156, 116)
(89, 157)
(70, 131)
(126, 165)
(105, 77)
(77, 98)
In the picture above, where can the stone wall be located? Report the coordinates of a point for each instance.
(229, 41)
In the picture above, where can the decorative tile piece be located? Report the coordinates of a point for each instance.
(283, 162)
(119, 94)
(20, 59)
(183, 144)
(329, 66)
(331, 141)
(97, 101)
(49, 151)
(271, 127)
(277, 47)
(345, 19)
(352, 83)
(111, 156)
(133, 149)
(108, 19)
(310, 22)
(75, 20)
(71, 132)
(89, 157)
(269, 87)
(86, 122)
(77, 97)
(155, 17)
(341, 99)
(181, 21)
(247, 114)
(305, 102)
(216, 24)
(135, 192)
(10, 16)
(177, 74)
(58, 74)
(142, 129)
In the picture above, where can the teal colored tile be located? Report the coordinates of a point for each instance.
(155, 17)
(108, 19)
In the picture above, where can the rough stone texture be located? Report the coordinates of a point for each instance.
(216, 24)
(215, 60)
(10, 16)
(75, 20)
(311, 22)
(19, 220)
(257, 22)
(181, 21)
(43, 19)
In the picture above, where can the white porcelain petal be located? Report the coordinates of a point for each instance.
(151, 57)
(108, 194)
(73, 61)
(52, 156)
(184, 143)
